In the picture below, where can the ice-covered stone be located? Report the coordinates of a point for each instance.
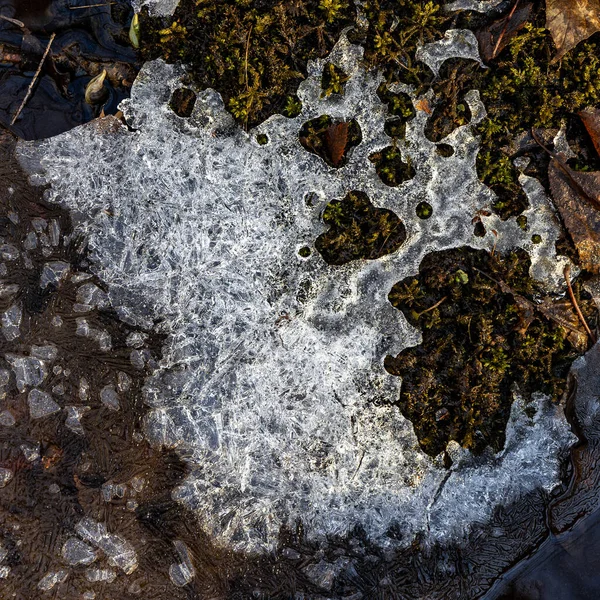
(48, 581)
(11, 322)
(282, 414)
(6, 476)
(182, 573)
(48, 352)
(8, 252)
(481, 6)
(31, 241)
(96, 575)
(123, 381)
(29, 371)
(76, 552)
(73, 420)
(30, 451)
(8, 290)
(158, 8)
(120, 553)
(41, 404)
(4, 572)
(109, 397)
(53, 273)
(7, 419)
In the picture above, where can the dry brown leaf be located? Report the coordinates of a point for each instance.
(423, 104)
(336, 139)
(591, 120)
(577, 198)
(571, 21)
(495, 37)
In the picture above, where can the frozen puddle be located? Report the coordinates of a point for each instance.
(274, 362)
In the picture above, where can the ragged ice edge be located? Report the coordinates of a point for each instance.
(273, 366)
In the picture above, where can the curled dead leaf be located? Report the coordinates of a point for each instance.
(571, 22)
(591, 121)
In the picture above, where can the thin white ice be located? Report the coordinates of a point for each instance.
(273, 369)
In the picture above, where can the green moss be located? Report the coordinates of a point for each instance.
(480, 338)
(253, 53)
(390, 166)
(358, 230)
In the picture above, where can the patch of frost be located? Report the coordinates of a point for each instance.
(273, 366)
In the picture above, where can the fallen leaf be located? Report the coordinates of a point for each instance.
(571, 21)
(336, 140)
(591, 120)
(423, 104)
(576, 195)
(495, 37)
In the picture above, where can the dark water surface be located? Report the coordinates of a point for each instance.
(87, 40)
(72, 456)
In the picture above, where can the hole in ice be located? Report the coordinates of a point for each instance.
(304, 252)
(262, 139)
(482, 336)
(331, 140)
(400, 110)
(333, 80)
(479, 229)
(358, 230)
(182, 102)
(536, 238)
(451, 112)
(424, 210)
(390, 167)
(445, 150)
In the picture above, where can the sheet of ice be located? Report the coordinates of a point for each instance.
(272, 374)
(158, 8)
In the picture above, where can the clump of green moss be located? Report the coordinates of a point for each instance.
(481, 337)
(390, 167)
(253, 52)
(358, 230)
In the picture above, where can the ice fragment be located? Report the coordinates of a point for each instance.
(41, 404)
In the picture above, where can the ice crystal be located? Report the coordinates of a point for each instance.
(273, 367)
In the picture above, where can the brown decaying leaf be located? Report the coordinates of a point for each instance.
(591, 120)
(571, 21)
(336, 139)
(495, 37)
(423, 104)
(577, 198)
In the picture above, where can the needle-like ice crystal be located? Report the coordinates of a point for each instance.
(273, 366)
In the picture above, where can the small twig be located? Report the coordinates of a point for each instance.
(567, 274)
(13, 21)
(503, 32)
(432, 307)
(37, 73)
(247, 52)
(91, 5)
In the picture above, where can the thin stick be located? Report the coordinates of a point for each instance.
(567, 274)
(432, 307)
(501, 36)
(91, 5)
(14, 21)
(37, 73)
(247, 52)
